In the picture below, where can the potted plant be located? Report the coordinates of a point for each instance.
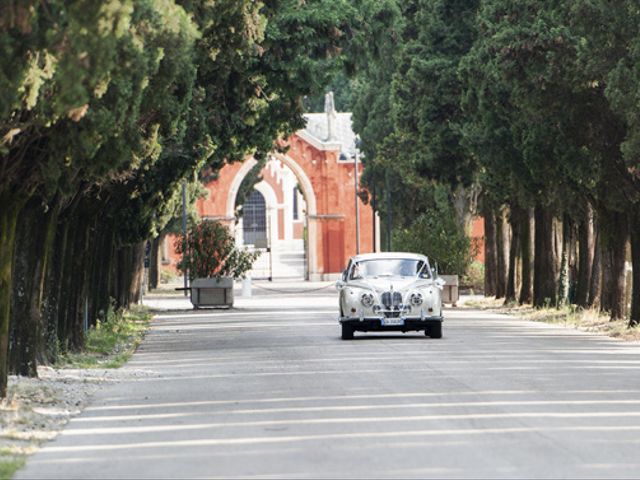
(212, 261)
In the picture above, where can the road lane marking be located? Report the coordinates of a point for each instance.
(350, 420)
(338, 436)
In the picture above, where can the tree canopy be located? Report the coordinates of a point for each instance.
(106, 107)
(529, 104)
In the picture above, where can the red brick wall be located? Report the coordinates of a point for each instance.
(335, 197)
(477, 238)
(333, 185)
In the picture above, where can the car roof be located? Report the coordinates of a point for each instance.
(388, 255)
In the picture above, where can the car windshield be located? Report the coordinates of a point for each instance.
(388, 267)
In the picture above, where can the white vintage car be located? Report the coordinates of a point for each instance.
(390, 291)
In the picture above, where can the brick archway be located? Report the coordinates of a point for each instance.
(326, 178)
(307, 192)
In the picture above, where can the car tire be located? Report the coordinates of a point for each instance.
(347, 332)
(434, 330)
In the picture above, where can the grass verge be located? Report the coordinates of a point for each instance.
(10, 463)
(587, 320)
(110, 343)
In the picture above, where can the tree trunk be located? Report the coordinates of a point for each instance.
(634, 229)
(614, 277)
(8, 222)
(98, 271)
(124, 273)
(66, 303)
(526, 252)
(78, 321)
(154, 264)
(595, 282)
(34, 236)
(544, 268)
(502, 253)
(490, 257)
(137, 272)
(465, 203)
(73, 295)
(586, 251)
(102, 274)
(563, 281)
(516, 219)
(52, 295)
(95, 275)
(557, 248)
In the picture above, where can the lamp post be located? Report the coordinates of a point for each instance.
(184, 228)
(355, 179)
(387, 187)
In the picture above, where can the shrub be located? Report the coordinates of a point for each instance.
(111, 342)
(167, 275)
(474, 277)
(209, 251)
(437, 235)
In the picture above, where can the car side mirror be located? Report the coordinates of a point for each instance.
(340, 285)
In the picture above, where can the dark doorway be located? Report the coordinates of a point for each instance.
(254, 219)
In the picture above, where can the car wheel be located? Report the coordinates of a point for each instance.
(347, 332)
(434, 330)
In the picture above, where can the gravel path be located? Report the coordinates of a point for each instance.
(36, 409)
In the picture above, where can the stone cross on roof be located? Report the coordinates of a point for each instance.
(330, 110)
(330, 129)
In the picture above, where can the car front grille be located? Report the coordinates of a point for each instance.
(391, 299)
(392, 302)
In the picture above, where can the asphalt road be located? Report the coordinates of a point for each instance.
(270, 390)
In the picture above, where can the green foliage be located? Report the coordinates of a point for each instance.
(127, 98)
(209, 251)
(107, 105)
(246, 187)
(435, 233)
(10, 463)
(110, 343)
(536, 103)
(167, 275)
(121, 100)
(407, 106)
(342, 87)
(538, 75)
(374, 54)
(172, 209)
(474, 277)
(426, 90)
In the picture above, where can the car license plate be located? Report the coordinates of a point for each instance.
(388, 322)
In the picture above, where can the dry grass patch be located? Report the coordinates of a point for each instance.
(587, 320)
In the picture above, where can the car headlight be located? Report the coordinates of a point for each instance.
(367, 300)
(416, 299)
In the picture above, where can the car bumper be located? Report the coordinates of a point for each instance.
(381, 324)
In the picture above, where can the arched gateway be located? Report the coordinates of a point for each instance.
(321, 157)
